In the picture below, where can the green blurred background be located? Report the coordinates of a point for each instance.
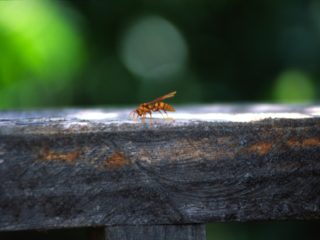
(99, 53)
(102, 53)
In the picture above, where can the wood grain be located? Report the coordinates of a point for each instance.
(75, 168)
(156, 232)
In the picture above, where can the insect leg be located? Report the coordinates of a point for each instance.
(161, 114)
(150, 117)
(168, 118)
(143, 117)
(166, 114)
(133, 115)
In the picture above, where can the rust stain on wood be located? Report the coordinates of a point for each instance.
(262, 148)
(68, 157)
(309, 142)
(116, 160)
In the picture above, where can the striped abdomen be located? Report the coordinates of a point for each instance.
(162, 106)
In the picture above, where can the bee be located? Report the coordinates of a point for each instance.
(154, 106)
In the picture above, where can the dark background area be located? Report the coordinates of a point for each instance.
(89, 53)
(275, 230)
(107, 53)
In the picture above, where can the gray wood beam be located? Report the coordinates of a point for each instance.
(76, 168)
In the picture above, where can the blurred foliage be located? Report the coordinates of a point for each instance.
(41, 50)
(88, 53)
(275, 230)
(294, 86)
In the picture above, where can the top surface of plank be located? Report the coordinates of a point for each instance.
(82, 167)
(83, 120)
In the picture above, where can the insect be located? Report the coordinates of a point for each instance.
(154, 106)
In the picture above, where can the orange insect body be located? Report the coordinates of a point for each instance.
(154, 106)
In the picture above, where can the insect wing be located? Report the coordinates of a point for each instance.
(169, 95)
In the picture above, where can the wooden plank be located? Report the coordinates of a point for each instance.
(157, 232)
(75, 168)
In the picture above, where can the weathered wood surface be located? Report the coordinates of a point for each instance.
(75, 168)
(157, 232)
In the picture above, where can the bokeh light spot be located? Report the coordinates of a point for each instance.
(294, 86)
(153, 48)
